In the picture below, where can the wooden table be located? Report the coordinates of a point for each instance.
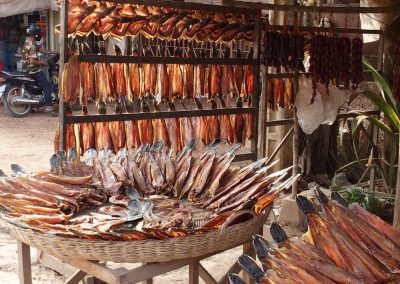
(144, 273)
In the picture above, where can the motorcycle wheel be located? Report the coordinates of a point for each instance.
(10, 92)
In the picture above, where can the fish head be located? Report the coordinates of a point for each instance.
(235, 279)
(72, 154)
(305, 205)
(249, 265)
(277, 233)
(55, 163)
(339, 199)
(117, 50)
(89, 156)
(262, 247)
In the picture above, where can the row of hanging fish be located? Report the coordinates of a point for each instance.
(104, 82)
(119, 20)
(175, 132)
(281, 93)
(345, 244)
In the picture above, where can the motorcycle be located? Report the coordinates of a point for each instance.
(22, 92)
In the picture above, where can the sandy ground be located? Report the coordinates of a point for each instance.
(29, 143)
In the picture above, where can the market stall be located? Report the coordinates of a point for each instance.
(144, 172)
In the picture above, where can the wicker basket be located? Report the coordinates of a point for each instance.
(146, 250)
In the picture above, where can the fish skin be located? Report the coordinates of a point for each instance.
(202, 176)
(76, 14)
(87, 24)
(119, 74)
(182, 175)
(109, 181)
(365, 235)
(138, 176)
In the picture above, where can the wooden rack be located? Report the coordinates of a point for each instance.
(65, 119)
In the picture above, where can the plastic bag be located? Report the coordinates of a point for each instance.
(322, 111)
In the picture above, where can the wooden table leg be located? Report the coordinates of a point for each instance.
(24, 263)
(194, 273)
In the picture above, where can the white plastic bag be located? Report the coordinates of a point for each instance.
(322, 111)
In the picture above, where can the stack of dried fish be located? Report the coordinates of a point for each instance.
(118, 20)
(151, 194)
(347, 245)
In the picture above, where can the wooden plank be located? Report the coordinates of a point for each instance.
(296, 147)
(335, 30)
(262, 117)
(63, 60)
(315, 9)
(148, 281)
(194, 272)
(55, 264)
(206, 276)
(99, 271)
(190, 6)
(166, 60)
(280, 145)
(24, 263)
(256, 83)
(156, 115)
(76, 277)
(151, 270)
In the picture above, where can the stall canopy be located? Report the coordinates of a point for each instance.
(16, 7)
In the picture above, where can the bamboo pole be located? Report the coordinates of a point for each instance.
(396, 217)
(296, 170)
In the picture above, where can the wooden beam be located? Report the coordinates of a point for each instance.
(194, 273)
(190, 6)
(24, 263)
(151, 270)
(206, 276)
(76, 277)
(63, 60)
(166, 60)
(296, 169)
(99, 271)
(334, 30)
(280, 145)
(315, 9)
(156, 115)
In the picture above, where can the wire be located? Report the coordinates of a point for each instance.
(344, 2)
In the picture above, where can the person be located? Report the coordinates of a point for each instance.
(34, 66)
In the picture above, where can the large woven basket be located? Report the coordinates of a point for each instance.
(146, 250)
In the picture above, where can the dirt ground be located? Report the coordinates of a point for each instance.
(29, 143)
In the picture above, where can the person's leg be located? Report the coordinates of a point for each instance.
(40, 77)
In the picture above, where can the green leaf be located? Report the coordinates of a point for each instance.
(382, 83)
(387, 109)
(378, 123)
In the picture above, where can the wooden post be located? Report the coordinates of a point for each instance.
(296, 169)
(63, 60)
(194, 273)
(396, 217)
(262, 117)
(256, 83)
(24, 263)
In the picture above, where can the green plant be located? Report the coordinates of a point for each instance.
(363, 198)
(390, 125)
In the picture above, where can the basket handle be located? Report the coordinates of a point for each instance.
(233, 217)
